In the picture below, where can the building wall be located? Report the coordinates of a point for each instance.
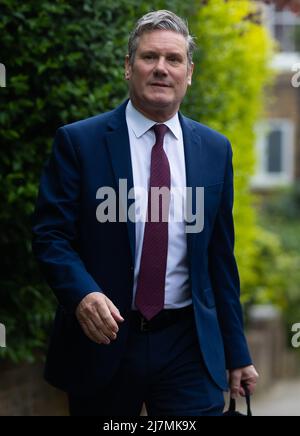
(283, 101)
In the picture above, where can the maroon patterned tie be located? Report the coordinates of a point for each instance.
(150, 292)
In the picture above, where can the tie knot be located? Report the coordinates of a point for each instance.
(160, 130)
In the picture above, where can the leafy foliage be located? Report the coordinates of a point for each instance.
(227, 94)
(280, 216)
(64, 62)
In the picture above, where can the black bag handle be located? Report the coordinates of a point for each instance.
(232, 405)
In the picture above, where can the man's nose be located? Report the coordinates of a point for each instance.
(161, 67)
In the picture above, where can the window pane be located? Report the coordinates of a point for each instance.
(286, 35)
(274, 152)
(297, 37)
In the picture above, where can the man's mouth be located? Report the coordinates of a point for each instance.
(160, 84)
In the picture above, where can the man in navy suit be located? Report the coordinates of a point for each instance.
(149, 308)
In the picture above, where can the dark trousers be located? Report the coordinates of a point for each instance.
(163, 369)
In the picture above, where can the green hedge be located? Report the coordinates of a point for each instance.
(64, 62)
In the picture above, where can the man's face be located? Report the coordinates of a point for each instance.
(160, 73)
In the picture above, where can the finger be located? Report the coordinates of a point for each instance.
(94, 334)
(111, 334)
(107, 331)
(234, 392)
(101, 326)
(99, 335)
(117, 316)
(107, 317)
(109, 324)
(114, 310)
(251, 385)
(88, 334)
(242, 392)
(235, 385)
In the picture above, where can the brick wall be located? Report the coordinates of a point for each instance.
(284, 102)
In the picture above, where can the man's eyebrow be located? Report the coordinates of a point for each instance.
(170, 53)
(148, 52)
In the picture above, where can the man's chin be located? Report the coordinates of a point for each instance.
(160, 102)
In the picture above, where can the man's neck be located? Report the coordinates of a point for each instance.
(159, 115)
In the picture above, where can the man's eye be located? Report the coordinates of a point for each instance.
(174, 60)
(148, 56)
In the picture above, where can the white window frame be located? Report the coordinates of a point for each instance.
(283, 60)
(284, 18)
(262, 178)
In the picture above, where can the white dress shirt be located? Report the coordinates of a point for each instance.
(142, 139)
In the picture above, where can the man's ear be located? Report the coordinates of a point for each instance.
(127, 68)
(190, 73)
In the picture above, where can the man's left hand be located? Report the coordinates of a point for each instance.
(247, 375)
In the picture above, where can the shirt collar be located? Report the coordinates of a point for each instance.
(140, 124)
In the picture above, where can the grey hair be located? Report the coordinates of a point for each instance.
(160, 20)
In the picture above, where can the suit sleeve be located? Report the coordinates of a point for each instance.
(225, 277)
(55, 226)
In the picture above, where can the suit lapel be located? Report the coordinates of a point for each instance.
(194, 165)
(119, 151)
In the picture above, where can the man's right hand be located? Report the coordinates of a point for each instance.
(98, 317)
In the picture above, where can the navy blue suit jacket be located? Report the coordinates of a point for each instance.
(79, 255)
